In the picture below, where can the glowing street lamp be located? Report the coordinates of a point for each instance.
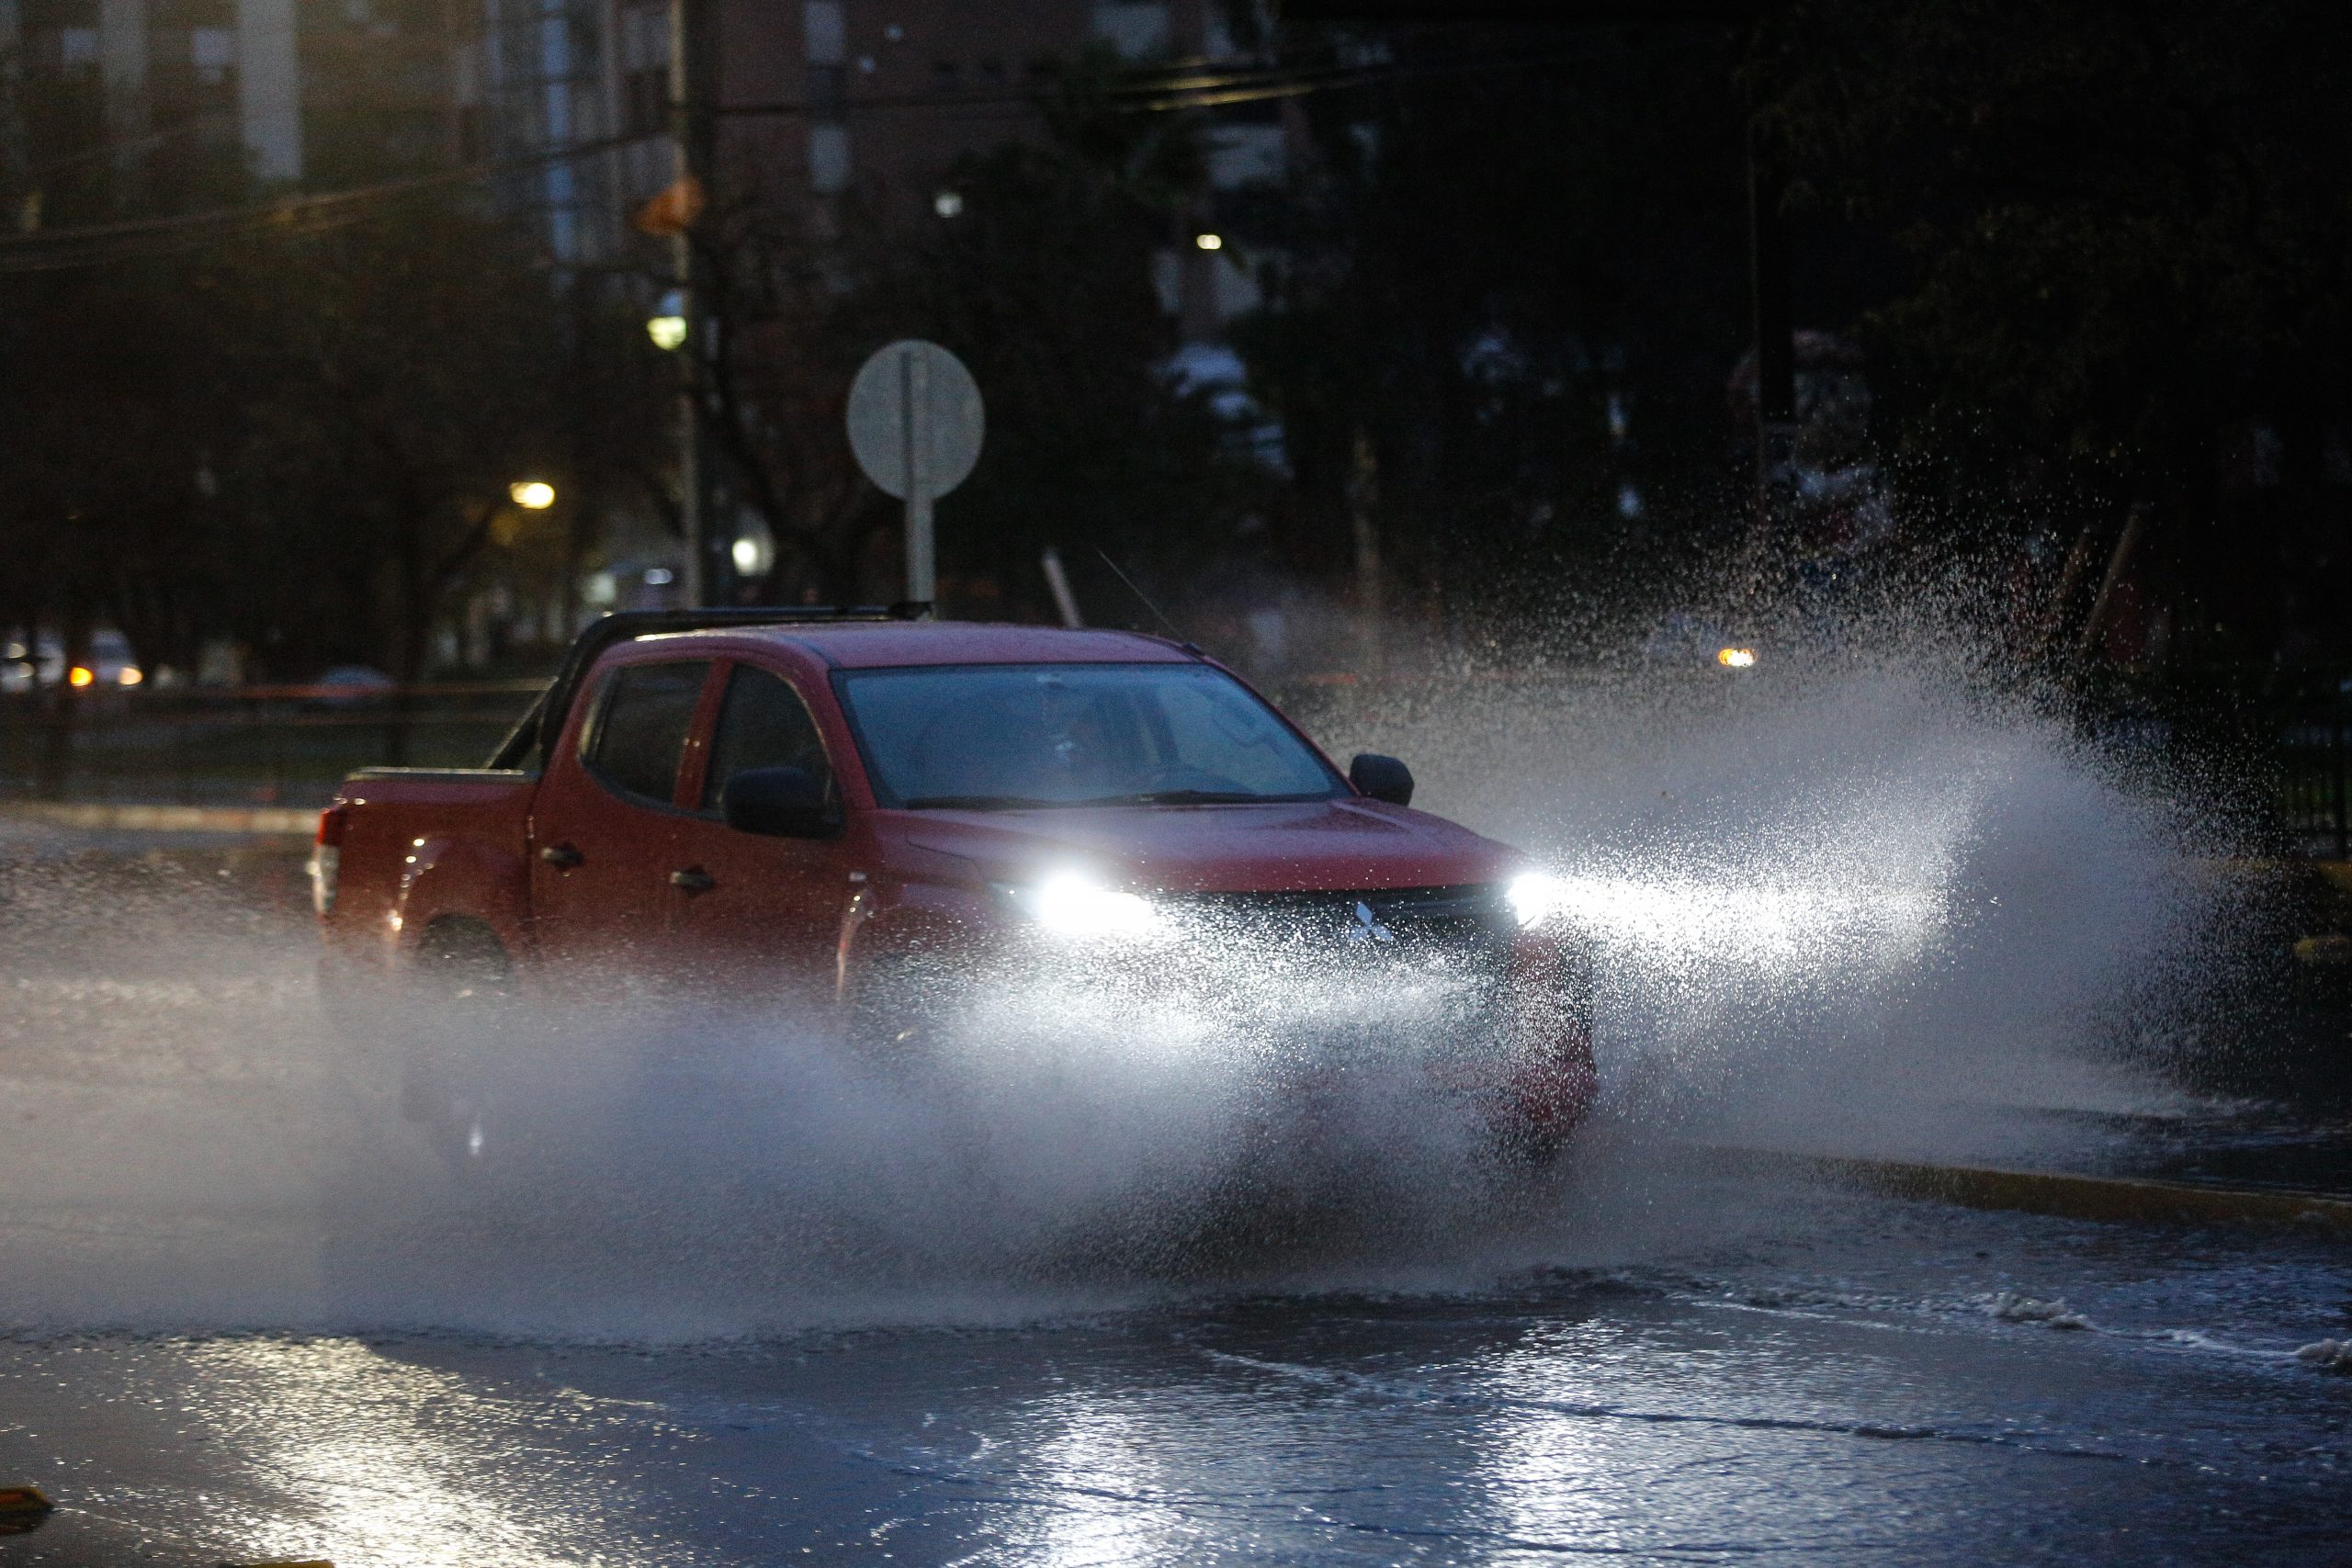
(532, 495)
(1209, 242)
(667, 326)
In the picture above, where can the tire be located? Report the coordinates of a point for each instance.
(462, 979)
(901, 1010)
(459, 960)
(1556, 1083)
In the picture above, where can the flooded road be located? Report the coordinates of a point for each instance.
(1882, 1399)
(251, 1318)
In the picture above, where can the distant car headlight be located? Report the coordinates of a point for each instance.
(1074, 905)
(1535, 898)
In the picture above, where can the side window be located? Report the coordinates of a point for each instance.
(641, 726)
(763, 723)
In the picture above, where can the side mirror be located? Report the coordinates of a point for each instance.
(781, 802)
(1383, 778)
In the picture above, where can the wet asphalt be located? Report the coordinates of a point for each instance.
(211, 1353)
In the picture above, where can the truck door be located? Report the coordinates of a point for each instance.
(604, 830)
(757, 920)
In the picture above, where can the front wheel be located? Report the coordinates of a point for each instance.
(1553, 1080)
(901, 1008)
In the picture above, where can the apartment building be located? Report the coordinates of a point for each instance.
(109, 105)
(819, 101)
(161, 104)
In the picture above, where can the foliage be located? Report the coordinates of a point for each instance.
(1042, 284)
(2120, 223)
(1531, 225)
(302, 443)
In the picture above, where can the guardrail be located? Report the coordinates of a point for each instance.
(267, 745)
(2314, 801)
(2293, 725)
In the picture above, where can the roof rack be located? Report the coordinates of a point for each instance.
(537, 730)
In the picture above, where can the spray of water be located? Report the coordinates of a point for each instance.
(1856, 905)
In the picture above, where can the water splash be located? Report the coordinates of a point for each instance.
(1862, 905)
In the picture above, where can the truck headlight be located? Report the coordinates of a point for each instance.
(1535, 898)
(1073, 906)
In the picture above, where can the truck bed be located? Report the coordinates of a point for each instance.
(438, 839)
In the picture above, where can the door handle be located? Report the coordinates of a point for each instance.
(563, 857)
(694, 879)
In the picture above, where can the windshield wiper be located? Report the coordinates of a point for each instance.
(1183, 797)
(1146, 797)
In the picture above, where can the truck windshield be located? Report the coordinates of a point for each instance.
(1002, 737)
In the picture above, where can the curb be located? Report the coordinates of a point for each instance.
(2113, 1200)
(263, 819)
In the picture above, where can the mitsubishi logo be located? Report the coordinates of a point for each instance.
(1367, 928)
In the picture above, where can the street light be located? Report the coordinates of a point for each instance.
(532, 495)
(667, 326)
(1209, 242)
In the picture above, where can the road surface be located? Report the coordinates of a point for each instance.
(250, 1317)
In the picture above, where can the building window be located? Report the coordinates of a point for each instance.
(213, 54)
(77, 52)
(645, 72)
(1137, 28)
(828, 157)
(826, 32)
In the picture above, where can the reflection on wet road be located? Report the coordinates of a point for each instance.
(1864, 1402)
(1673, 1363)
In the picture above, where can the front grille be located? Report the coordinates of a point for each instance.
(1349, 976)
(1450, 923)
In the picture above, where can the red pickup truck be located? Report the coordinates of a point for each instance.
(853, 820)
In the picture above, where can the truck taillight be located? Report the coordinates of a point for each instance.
(326, 858)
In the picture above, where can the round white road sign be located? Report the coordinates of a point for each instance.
(914, 419)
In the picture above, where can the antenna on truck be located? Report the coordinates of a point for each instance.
(537, 730)
(1182, 640)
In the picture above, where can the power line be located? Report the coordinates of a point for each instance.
(134, 239)
(1179, 86)
(1189, 86)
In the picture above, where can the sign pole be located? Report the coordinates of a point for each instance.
(915, 389)
(915, 425)
(688, 86)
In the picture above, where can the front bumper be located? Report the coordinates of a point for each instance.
(1436, 987)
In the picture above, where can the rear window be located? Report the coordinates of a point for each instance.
(642, 725)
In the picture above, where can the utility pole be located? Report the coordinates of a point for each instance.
(1776, 380)
(1363, 533)
(689, 49)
